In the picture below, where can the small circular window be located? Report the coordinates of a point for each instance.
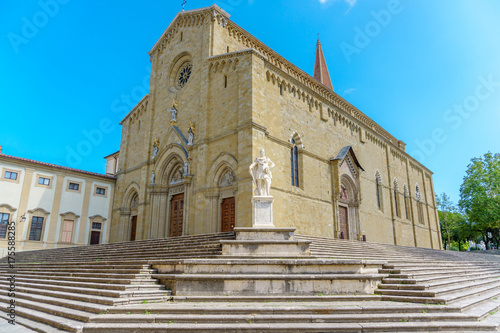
(184, 74)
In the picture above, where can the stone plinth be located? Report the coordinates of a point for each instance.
(264, 233)
(262, 212)
(266, 241)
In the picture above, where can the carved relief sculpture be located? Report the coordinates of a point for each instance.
(260, 170)
(227, 179)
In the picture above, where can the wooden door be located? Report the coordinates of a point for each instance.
(343, 221)
(67, 231)
(134, 228)
(95, 237)
(176, 215)
(228, 214)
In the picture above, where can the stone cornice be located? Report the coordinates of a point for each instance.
(371, 131)
(237, 54)
(190, 18)
(142, 102)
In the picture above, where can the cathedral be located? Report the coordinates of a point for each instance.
(218, 96)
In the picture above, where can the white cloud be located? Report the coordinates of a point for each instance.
(351, 3)
(348, 91)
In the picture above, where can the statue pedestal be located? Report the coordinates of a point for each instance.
(262, 212)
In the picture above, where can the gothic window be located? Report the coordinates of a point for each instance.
(406, 200)
(294, 164)
(184, 74)
(378, 190)
(420, 205)
(396, 201)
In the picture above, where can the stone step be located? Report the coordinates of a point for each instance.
(426, 264)
(268, 306)
(229, 317)
(439, 292)
(146, 281)
(91, 285)
(446, 272)
(178, 254)
(270, 284)
(434, 283)
(82, 269)
(118, 253)
(290, 327)
(86, 291)
(65, 324)
(32, 325)
(68, 295)
(482, 305)
(444, 299)
(277, 298)
(143, 243)
(93, 275)
(429, 275)
(56, 310)
(78, 305)
(263, 266)
(83, 264)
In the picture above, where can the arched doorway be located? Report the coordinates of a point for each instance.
(170, 196)
(348, 209)
(228, 204)
(134, 201)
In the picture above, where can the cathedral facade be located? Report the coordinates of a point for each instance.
(217, 97)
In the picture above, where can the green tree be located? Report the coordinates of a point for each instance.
(445, 210)
(480, 195)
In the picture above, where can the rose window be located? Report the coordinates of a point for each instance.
(184, 75)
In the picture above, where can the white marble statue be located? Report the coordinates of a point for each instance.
(152, 178)
(186, 168)
(260, 170)
(190, 137)
(155, 148)
(173, 110)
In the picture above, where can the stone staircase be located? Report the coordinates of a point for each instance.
(114, 287)
(66, 288)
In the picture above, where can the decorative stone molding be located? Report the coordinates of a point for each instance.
(7, 207)
(137, 111)
(97, 218)
(224, 65)
(70, 215)
(39, 211)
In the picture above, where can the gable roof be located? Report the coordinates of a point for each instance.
(344, 152)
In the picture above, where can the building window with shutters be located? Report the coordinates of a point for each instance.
(67, 231)
(36, 228)
(4, 223)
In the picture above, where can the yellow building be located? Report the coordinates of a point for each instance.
(217, 96)
(52, 206)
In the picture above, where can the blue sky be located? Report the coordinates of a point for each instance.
(426, 70)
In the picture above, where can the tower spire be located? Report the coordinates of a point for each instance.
(320, 69)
